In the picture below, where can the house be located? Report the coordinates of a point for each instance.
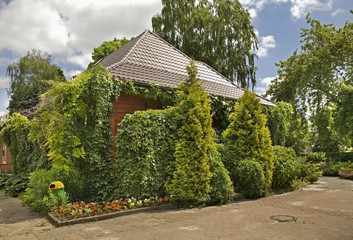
(150, 59)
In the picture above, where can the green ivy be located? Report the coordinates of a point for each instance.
(145, 147)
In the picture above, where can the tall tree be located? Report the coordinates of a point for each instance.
(217, 32)
(31, 76)
(105, 49)
(310, 79)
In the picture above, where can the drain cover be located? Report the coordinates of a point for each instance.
(284, 218)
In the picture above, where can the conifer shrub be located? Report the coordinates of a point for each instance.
(250, 178)
(191, 179)
(286, 168)
(221, 184)
(248, 137)
(316, 157)
(145, 147)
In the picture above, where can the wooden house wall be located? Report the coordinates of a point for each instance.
(5, 168)
(128, 104)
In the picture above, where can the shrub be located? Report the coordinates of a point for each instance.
(285, 168)
(230, 159)
(38, 197)
(248, 135)
(250, 178)
(308, 171)
(141, 164)
(332, 168)
(316, 157)
(190, 179)
(347, 172)
(15, 185)
(221, 184)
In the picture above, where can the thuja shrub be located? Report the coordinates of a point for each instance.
(286, 168)
(191, 174)
(247, 135)
(145, 147)
(250, 178)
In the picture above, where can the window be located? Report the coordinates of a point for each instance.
(4, 154)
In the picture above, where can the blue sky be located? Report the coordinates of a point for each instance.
(69, 29)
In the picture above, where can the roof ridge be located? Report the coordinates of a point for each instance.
(140, 37)
(137, 39)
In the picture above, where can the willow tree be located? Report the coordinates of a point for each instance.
(31, 76)
(217, 32)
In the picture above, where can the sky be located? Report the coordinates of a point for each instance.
(70, 29)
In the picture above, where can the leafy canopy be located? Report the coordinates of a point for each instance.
(31, 76)
(217, 32)
(310, 79)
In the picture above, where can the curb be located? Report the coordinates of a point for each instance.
(59, 223)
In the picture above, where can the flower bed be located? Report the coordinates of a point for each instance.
(79, 212)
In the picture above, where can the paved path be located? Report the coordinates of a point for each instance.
(324, 210)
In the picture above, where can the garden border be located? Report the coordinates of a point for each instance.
(59, 223)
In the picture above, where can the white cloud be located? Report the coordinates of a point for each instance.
(264, 44)
(4, 82)
(66, 28)
(267, 80)
(298, 9)
(260, 90)
(338, 11)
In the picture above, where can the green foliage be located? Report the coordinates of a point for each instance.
(74, 126)
(332, 168)
(105, 49)
(309, 172)
(26, 156)
(317, 157)
(14, 185)
(248, 136)
(190, 181)
(141, 164)
(298, 133)
(221, 184)
(310, 80)
(221, 108)
(31, 76)
(250, 178)
(3, 180)
(346, 172)
(278, 121)
(218, 33)
(286, 168)
(37, 194)
(344, 116)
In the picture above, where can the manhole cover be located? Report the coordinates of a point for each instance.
(284, 218)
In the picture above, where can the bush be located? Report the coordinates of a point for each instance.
(191, 176)
(221, 184)
(347, 172)
(250, 179)
(38, 197)
(308, 171)
(285, 168)
(141, 164)
(316, 157)
(3, 180)
(248, 134)
(332, 168)
(15, 185)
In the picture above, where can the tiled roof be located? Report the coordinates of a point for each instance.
(149, 59)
